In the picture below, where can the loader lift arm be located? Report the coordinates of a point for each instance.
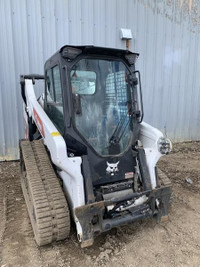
(33, 77)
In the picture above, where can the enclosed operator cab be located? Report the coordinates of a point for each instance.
(93, 97)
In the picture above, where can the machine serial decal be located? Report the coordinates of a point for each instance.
(112, 168)
(128, 175)
(39, 123)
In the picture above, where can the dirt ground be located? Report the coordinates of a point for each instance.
(172, 243)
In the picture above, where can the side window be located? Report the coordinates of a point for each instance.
(57, 85)
(50, 91)
(54, 106)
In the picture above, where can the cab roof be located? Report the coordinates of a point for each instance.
(71, 52)
(90, 49)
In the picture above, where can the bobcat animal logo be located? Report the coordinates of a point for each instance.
(112, 168)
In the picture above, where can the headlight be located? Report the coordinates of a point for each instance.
(164, 145)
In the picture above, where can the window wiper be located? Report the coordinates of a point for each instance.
(119, 130)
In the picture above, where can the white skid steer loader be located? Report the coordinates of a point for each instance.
(87, 155)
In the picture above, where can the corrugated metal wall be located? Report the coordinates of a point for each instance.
(166, 34)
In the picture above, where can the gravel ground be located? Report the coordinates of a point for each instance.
(146, 243)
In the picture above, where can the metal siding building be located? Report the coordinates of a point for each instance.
(165, 33)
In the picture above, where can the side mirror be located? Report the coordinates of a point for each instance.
(77, 103)
(133, 80)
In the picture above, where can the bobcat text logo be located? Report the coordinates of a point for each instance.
(112, 168)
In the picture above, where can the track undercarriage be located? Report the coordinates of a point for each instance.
(45, 200)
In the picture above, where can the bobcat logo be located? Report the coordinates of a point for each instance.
(112, 168)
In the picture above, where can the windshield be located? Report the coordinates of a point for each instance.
(103, 116)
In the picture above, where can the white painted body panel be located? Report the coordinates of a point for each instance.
(149, 137)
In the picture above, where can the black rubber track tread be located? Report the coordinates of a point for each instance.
(45, 200)
(163, 178)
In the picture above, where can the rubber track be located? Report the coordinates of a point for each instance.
(45, 200)
(163, 178)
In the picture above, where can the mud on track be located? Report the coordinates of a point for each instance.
(173, 243)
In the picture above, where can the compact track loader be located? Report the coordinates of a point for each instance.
(88, 156)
